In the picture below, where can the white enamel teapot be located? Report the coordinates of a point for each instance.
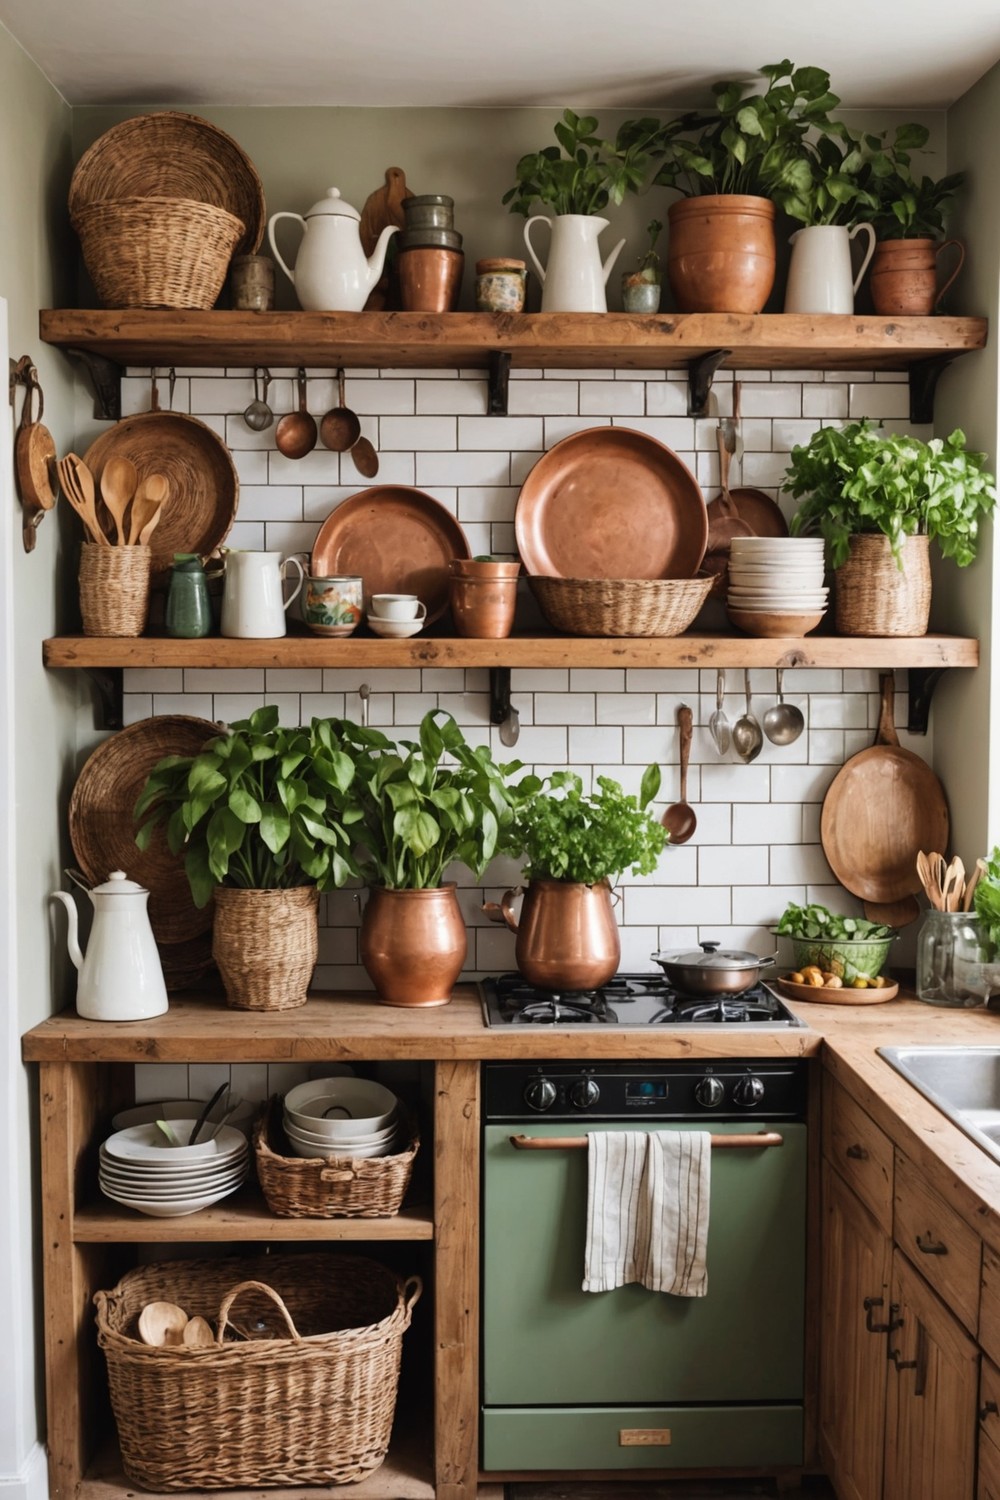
(121, 978)
(331, 272)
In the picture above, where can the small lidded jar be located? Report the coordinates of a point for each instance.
(500, 286)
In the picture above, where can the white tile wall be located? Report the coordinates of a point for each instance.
(757, 843)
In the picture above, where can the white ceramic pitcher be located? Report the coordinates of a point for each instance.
(252, 603)
(574, 279)
(121, 978)
(820, 279)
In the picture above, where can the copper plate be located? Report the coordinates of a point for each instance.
(398, 539)
(761, 513)
(611, 503)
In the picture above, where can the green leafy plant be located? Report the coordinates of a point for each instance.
(583, 173)
(833, 192)
(986, 904)
(260, 807)
(903, 206)
(649, 260)
(566, 835)
(817, 922)
(860, 480)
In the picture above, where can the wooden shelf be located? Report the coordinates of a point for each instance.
(244, 1217)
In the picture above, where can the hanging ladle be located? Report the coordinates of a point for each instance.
(718, 724)
(679, 819)
(258, 414)
(340, 428)
(748, 737)
(783, 722)
(296, 433)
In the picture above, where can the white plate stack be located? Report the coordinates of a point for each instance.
(780, 576)
(345, 1117)
(139, 1168)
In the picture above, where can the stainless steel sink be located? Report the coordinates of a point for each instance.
(962, 1082)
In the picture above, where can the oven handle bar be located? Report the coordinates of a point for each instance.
(579, 1142)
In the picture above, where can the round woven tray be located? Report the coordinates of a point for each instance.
(169, 154)
(333, 1187)
(620, 606)
(157, 252)
(102, 830)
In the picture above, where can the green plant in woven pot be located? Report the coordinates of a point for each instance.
(879, 499)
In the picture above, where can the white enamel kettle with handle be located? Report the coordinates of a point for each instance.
(121, 977)
(332, 272)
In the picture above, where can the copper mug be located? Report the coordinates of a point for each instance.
(567, 936)
(430, 278)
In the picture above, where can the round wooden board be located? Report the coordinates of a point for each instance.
(882, 807)
(823, 996)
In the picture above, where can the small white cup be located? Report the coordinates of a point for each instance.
(398, 607)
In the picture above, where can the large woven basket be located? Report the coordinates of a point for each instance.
(266, 944)
(620, 606)
(157, 252)
(169, 154)
(299, 1387)
(114, 589)
(873, 596)
(330, 1187)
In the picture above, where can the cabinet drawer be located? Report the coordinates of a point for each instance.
(941, 1245)
(861, 1152)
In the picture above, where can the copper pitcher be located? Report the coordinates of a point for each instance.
(567, 936)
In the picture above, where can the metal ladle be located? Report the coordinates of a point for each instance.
(258, 414)
(783, 723)
(718, 724)
(748, 737)
(340, 428)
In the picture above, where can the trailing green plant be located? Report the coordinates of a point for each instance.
(904, 207)
(565, 835)
(260, 807)
(583, 173)
(860, 480)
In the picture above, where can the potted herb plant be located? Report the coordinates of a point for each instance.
(641, 287)
(575, 847)
(577, 179)
(879, 499)
(909, 218)
(262, 815)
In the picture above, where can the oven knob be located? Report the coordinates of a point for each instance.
(584, 1093)
(710, 1092)
(540, 1094)
(748, 1091)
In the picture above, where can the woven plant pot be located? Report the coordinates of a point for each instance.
(873, 596)
(114, 589)
(157, 252)
(265, 944)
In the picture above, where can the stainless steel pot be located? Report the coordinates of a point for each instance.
(714, 970)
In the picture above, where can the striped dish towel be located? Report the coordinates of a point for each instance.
(647, 1210)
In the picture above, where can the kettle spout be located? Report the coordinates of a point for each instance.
(608, 266)
(377, 258)
(71, 936)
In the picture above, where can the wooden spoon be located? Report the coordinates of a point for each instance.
(162, 1323)
(150, 497)
(77, 484)
(118, 483)
(679, 819)
(972, 882)
(364, 458)
(198, 1333)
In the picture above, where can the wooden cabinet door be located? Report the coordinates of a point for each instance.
(931, 1412)
(855, 1301)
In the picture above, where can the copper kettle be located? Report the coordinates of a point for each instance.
(567, 936)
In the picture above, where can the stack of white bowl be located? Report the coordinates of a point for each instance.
(777, 576)
(142, 1168)
(343, 1117)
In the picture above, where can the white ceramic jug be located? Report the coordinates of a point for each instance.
(820, 279)
(574, 279)
(331, 272)
(252, 603)
(121, 978)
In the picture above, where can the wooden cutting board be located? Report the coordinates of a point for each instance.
(883, 807)
(384, 206)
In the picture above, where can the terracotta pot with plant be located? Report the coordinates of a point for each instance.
(909, 221)
(879, 500)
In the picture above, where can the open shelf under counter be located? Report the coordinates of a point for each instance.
(243, 1218)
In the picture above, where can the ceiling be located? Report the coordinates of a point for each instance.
(648, 54)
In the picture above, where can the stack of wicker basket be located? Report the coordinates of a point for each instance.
(161, 203)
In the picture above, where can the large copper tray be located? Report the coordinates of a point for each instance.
(610, 502)
(398, 540)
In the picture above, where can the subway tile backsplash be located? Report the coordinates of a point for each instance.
(757, 842)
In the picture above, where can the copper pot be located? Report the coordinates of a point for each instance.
(483, 598)
(904, 274)
(567, 936)
(721, 255)
(430, 279)
(413, 944)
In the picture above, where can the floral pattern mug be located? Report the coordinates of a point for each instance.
(333, 606)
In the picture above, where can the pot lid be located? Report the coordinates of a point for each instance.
(333, 203)
(118, 884)
(711, 956)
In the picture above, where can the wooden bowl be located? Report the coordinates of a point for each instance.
(846, 995)
(771, 623)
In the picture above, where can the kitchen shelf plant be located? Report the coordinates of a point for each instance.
(879, 499)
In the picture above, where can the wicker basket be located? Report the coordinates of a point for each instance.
(114, 589)
(168, 154)
(157, 252)
(333, 1187)
(620, 606)
(873, 596)
(266, 944)
(308, 1400)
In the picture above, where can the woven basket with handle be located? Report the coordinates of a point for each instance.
(332, 1187)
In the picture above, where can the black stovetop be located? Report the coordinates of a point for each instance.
(628, 1002)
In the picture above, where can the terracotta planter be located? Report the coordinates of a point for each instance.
(483, 597)
(413, 944)
(874, 597)
(266, 944)
(567, 936)
(904, 276)
(721, 255)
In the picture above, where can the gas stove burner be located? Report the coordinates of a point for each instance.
(574, 1010)
(751, 1005)
(629, 1002)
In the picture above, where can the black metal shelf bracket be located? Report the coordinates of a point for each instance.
(499, 695)
(106, 381)
(109, 685)
(921, 685)
(499, 373)
(700, 374)
(924, 375)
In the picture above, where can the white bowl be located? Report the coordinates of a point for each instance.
(761, 572)
(147, 1143)
(182, 1109)
(320, 1138)
(312, 1153)
(170, 1209)
(394, 630)
(787, 544)
(368, 1107)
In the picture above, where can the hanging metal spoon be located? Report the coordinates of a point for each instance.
(783, 722)
(718, 724)
(340, 428)
(258, 414)
(748, 737)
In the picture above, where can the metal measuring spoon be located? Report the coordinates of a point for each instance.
(748, 736)
(718, 724)
(783, 723)
(258, 414)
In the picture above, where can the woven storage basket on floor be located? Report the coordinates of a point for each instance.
(332, 1187)
(114, 589)
(157, 252)
(620, 606)
(874, 597)
(307, 1404)
(266, 944)
(169, 154)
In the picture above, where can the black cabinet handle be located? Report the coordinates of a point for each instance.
(990, 1409)
(857, 1153)
(928, 1245)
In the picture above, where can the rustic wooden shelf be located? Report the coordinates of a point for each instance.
(244, 1217)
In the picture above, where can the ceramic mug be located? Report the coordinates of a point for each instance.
(398, 607)
(333, 606)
